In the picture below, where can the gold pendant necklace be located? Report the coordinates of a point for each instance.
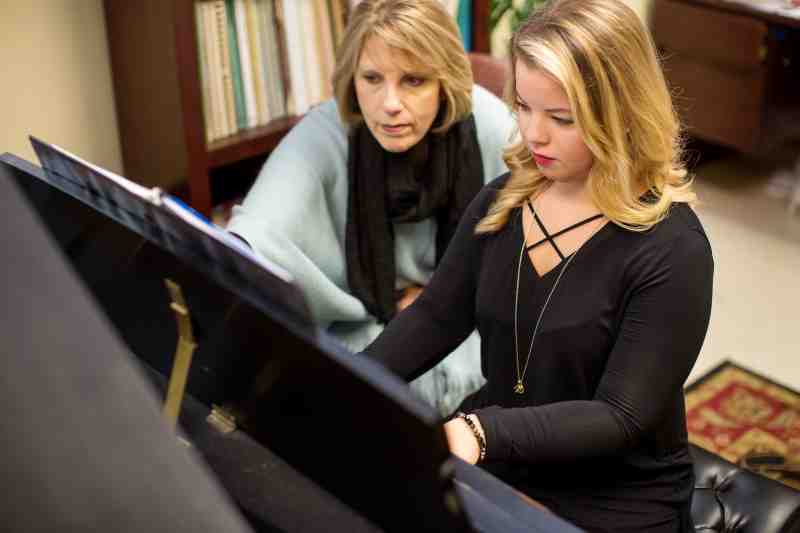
(519, 387)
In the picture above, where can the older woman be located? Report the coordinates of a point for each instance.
(361, 198)
(589, 278)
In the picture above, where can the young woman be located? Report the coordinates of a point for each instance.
(588, 277)
(360, 199)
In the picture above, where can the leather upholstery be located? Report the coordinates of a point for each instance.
(490, 72)
(733, 500)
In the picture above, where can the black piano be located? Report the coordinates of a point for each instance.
(300, 434)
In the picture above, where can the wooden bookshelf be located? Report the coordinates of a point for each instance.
(155, 71)
(481, 39)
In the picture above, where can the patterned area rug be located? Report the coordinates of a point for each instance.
(747, 419)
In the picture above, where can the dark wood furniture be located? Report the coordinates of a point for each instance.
(733, 68)
(154, 62)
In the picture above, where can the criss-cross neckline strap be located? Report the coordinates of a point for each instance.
(550, 237)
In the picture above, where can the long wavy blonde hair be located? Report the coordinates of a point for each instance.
(604, 58)
(426, 33)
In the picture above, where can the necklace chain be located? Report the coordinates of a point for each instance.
(519, 387)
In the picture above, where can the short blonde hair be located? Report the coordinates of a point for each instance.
(426, 33)
(604, 58)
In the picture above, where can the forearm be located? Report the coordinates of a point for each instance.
(415, 340)
(559, 432)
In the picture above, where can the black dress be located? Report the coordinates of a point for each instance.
(599, 434)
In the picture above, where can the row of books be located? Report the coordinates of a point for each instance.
(264, 59)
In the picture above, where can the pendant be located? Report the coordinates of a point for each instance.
(519, 388)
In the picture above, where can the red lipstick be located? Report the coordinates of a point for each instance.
(543, 160)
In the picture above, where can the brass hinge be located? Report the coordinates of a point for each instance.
(221, 419)
(183, 354)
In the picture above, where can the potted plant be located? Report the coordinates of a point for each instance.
(518, 9)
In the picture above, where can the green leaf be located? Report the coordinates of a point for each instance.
(498, 9)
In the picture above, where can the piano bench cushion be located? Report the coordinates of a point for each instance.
(728, 498)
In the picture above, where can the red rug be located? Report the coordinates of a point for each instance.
(739, 414)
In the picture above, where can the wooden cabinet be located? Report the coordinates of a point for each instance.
(154, 61)
(729, 70)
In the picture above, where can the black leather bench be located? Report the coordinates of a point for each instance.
(730, 499)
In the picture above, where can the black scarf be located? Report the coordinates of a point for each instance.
(438, 177)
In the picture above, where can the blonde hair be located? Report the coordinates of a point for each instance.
(426, 33)
(605, 60)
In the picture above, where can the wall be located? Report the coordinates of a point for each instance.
(56, 80)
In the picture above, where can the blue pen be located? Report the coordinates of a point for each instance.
(191, 210)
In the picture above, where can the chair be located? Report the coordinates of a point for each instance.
(730, 499)
(490, 72)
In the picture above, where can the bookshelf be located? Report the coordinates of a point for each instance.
(155, 71)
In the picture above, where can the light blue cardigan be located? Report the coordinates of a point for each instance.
(295, 215)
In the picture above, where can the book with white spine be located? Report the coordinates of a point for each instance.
(248, 86)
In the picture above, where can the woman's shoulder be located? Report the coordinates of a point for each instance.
(682, 223)
(480, 204)
(314, 147)
(493, 119)
(680, 232)
(496, 185)
(485, 99)
(321, 121)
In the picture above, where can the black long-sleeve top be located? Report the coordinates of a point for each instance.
(600, 433)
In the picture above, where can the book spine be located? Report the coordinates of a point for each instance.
(326, 48)
(205, 87)
(214, 72)
(257, 59)
(236, 68)
(283, 55)
(464, 19)
(246, 63)
(272, 68)
(311, 47)
(295, 52)
(229, 101)
(336, 21)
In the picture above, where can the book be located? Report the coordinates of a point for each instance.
(205, 84)
(283, 54)
(464, 20)
(294, 45)
(326, 47)
(337, 10)
(240, 12)
(228, 99)
(308, 22)
(214, 72)
(236, 67)
(272, 61)
(151, 208)
(257, 61)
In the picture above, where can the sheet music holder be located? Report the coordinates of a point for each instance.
(344, 422)
(84, 448)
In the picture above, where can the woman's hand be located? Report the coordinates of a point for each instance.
(409, 295)
(461, 439)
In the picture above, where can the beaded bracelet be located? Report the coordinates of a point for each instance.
(478, 436)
